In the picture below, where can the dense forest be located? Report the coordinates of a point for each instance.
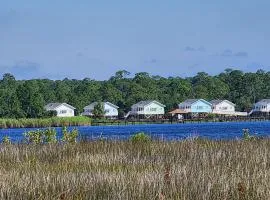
(26, 98)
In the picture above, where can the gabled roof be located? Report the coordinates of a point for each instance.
(192, 101)
(92, 105)
(53, 106)
(264, 101)
(218, 101)
(145, 103)
(112, 105)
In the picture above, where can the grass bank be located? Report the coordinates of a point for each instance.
(45, 122)
(197, 169)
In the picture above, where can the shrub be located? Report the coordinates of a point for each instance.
(140, 137)
(41, 136)
(34, 137)
(50, 136)
(6, 140)
(69, 136)
(44, 122)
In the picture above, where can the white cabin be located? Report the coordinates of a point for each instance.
(262, 106)
(110, 110)
(223, 107)
(147, 108)
(62, 109)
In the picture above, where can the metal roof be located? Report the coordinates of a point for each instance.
(92, 105)
(53, 106)
(145, 103)
(192, 101)
(264, 101)
(218, 101)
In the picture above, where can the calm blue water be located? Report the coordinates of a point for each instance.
(230, 130)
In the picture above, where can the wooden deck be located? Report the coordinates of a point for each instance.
(173, 121)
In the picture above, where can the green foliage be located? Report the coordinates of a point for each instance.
(248, 136)
(34, 137)
(26, 99)
(140, 138)
(6, 140)
(98, 111)
(69, 136)
(44, 122)
(48, 136)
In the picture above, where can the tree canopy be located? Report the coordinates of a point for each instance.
(26, 98)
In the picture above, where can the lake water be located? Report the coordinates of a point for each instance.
(223, 130)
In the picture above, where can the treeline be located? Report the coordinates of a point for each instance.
(26, 98)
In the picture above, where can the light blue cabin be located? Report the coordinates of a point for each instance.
(196, 106)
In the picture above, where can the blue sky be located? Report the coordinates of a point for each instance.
(84, 38)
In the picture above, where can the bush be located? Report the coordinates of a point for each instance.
(140, 138)
(69, 136)
(50, 136)
(44, 122)
(34, 137)
(6, 140)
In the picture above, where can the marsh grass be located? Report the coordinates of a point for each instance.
(197, 169)
(45, 122)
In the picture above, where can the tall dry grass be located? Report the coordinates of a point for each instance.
(44, 122)
(124, 170)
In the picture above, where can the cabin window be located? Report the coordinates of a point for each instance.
(153, 109)
(107, 110)
(63, 111)
(139, 109)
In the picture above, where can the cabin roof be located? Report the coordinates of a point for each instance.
(53, 106)
(192, 101)
(264, 101)
(218, 101)
(92, 105)
(145, 103)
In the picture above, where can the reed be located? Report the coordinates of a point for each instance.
(45, 122)
(190, 169)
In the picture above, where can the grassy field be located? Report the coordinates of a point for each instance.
(194, 169)
(45, 122)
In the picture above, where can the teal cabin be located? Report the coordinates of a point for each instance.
(196, 106)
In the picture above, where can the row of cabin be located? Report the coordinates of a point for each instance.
(224, 107)
(148, 108)
(66, 110)
(152, 107)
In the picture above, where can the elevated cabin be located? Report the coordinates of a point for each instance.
(148, 109)
(223, 107)
(61, 109)
(261, 108)
(110, 110)
(194, 106)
